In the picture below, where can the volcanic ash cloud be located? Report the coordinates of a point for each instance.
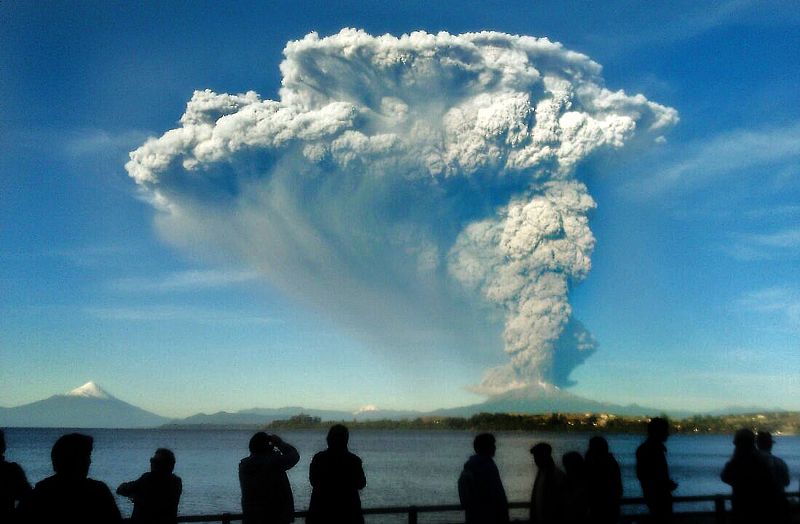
(396, 181)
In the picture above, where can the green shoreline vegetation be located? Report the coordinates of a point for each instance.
(779, 423)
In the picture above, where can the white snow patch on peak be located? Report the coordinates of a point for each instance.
(89, 390)
(369, 408)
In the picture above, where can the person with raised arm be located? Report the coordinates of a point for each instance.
(266, 493)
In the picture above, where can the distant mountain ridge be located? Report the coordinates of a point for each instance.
(88, 406)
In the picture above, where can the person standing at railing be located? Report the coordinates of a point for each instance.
(155, 494)
(14, 485)
(604, 481)
(779, 470)
(549, 493)
(755, 494)
(479, 486)
(653, 472)
(336, 476)
(266, 492)
(70, 496)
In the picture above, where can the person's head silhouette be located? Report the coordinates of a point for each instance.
(72, 455)
(338, 437)
(260, 443)
(598, 446)
(764, 440)
(2, 444)
(484, 445)
(573, 463)
(744, 439)
(163, 461)
(658, 429)
(543, 455)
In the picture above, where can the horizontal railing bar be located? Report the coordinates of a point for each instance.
(398, 510)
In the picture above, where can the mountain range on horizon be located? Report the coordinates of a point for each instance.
(90, 406)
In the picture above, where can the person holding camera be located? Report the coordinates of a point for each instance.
(266, 492)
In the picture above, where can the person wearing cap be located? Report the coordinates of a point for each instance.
(155, 494)
(549, 493)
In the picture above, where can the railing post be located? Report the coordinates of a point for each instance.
(719, 510)
(226, 518)
(412, 515)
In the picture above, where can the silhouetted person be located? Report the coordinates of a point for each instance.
(548, 497)
(754, 490)
(155, 494)
(266, 492)
(479, 486)
(69, 496)
(778, 468)
(604, 483)
(576, 503)
(336, 477)
(14, 485)
(653, 471)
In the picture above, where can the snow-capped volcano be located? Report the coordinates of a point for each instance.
(90, 390)
(88, 406)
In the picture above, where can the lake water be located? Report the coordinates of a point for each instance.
(402, 467)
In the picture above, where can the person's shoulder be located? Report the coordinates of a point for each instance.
(97, 485)
(11, 468)
(46, 483)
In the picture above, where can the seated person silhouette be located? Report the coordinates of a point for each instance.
(13, 485)
(155, 494)
(69, 496)
(336, 476)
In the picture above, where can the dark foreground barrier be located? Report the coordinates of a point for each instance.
(718, 509)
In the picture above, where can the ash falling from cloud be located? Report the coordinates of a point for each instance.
(408, 186)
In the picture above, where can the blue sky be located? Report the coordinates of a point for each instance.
(693, 296)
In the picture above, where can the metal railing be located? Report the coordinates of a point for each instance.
(412, 512)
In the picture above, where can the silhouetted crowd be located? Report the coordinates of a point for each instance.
(586, 490)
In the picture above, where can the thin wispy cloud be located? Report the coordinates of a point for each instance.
(98, 141)
(173, 313)
(778, 303)
(780, 244)
(674, 24)
(759, 153)
(191, 280)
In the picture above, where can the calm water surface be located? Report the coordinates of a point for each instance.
(402, 467)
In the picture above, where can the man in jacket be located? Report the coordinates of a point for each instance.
(479, 487)
(266, 492)
(156, 493)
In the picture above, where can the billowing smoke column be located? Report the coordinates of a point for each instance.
(396, 180)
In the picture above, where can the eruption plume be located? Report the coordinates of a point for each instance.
(398, 180)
